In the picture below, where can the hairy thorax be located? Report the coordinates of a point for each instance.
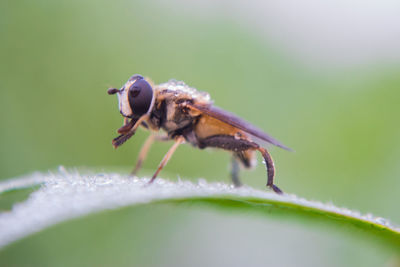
(169, 112)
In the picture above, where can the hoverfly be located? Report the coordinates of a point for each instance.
(188, 115)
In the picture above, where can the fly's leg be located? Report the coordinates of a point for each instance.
(145, 149)
(246, 160)
(269, 164)
(237, 146)
(127, 131)
(179, 140)
(228, 142)
(143, 154)
(235, 172)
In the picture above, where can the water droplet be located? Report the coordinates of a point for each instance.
(382, 221)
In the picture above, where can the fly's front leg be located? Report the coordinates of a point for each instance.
(179, 140)
(145, 149)
(127, 131)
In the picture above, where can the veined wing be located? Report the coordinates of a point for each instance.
(237, 122)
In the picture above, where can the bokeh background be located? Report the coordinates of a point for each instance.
(322, 77)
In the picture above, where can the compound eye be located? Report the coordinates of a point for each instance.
(140, 96)
(135, 77)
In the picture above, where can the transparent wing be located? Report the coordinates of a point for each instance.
(237, 122)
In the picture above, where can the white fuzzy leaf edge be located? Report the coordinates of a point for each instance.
(68, 194)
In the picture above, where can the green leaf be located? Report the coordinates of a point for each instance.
(68, 195)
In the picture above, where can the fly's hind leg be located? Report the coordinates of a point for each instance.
(269, 164)
(246, 160)
(235, 172)
(238, 146)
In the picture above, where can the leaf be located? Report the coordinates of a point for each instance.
(66, 195)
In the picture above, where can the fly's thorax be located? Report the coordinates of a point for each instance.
(181, 90)
(167, 112)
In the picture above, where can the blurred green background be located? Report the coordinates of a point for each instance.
(59, 57)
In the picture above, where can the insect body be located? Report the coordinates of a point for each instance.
(187, 115)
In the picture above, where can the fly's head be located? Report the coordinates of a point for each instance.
(136, 97)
